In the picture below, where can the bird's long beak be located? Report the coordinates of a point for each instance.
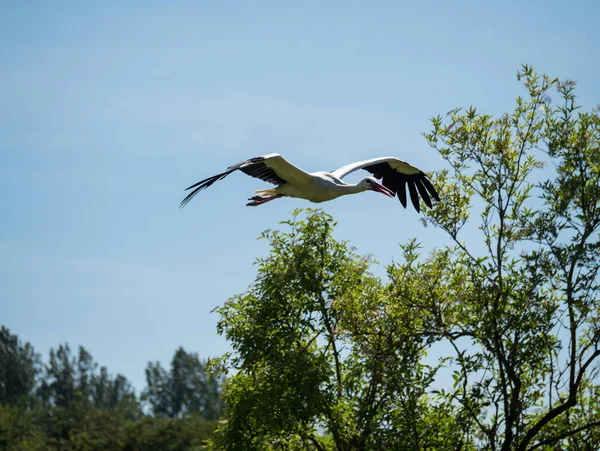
(383, 190)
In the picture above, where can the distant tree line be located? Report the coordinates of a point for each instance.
(71, 402)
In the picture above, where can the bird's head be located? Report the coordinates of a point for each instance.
(370, 183)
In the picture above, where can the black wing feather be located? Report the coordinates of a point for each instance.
(261, 171)
(402, 190)
(418, 184)
(202, 184)
(430, 188)
(414, 196)
(254, 167)
(423, 192)
(390, 182)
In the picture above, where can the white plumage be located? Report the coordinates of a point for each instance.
(290, 181)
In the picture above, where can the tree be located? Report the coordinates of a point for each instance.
(68, 379)
(19, 367)
(157, 391)
(193, 390)
(185, 390)
(525, 291)
(58, 387)
(114, 393)
(325, 357)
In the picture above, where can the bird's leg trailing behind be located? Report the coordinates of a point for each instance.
(258, 200)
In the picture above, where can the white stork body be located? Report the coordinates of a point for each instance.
(319, 187)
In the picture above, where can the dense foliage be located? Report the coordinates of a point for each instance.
(329, 357)
(71, 404)
(321, 345)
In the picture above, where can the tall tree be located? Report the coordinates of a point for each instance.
(86, 368)
(185, 390)
(113, 393)
(321, 344)
(157, 392)
(58, 386)
(69, 378)
(525, 290)
(19, 367)
(193, 390)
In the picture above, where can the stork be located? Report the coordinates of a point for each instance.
(319, 187)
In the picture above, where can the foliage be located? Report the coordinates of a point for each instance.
(155, 434)
(81, 428)
(69, 379)
(321, 345)
(18, 430)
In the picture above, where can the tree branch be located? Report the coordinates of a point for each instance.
(564, 435)
(336, 356)
(315, 442)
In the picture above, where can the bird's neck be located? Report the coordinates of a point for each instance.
(354, 188)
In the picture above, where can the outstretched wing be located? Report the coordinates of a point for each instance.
(396, 175)
(272, 168)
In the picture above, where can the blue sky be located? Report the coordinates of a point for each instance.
(109, 109)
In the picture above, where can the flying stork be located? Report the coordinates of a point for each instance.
(318, 187)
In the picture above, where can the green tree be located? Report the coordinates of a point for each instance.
(518, 298)
(193, 389)
(325, 356)
(58, 386)
(68, 378)
(157, 392)
(113, 393)
(184, 390)
(19, 367)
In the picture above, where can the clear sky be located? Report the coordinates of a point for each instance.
(109, 109)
